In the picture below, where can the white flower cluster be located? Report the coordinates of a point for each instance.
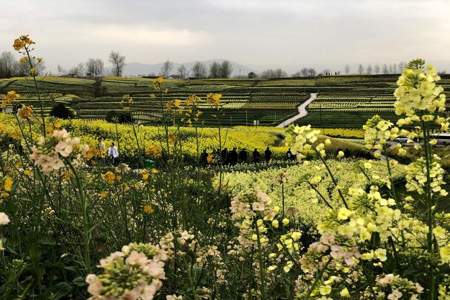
(49, 152)
(134, 273)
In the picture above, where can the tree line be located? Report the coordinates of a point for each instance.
(95, 67)
(12, 67)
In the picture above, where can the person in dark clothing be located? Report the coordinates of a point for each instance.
(204, 158)
(217, 158)
(289, 155)
(233, 157)
(224, 156)
(267, 154)
(256, 156)
(243, 155)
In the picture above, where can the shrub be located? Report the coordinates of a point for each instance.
(119, 117)
(60, 111)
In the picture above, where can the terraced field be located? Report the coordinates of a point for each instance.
(343, 101)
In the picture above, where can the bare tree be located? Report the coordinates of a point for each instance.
(199, 70)
(304, 72)
(95, 67)
(25, 70)
(182, 72)
(347, 69)
(360, 69)
(61, 70)
(369, 70)
(377, 69)
(215, 70)
(226, 69)
(118, 62)
(277, 73)
(395, 68)
(166, 68)
(312, 72)
(8, 65)
(77, 71)
(385, 69)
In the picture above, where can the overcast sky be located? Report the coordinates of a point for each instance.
(251, 32)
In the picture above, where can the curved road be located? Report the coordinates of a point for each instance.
(301, 112)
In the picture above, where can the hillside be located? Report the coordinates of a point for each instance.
(343, 101)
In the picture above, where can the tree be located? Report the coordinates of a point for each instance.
(304, 72)
(61, 70)
(182, 72)
(347, 69)
(8, 65)
(77, 71)
(312, 72)
(369, 70)
(24, 67)
(94, 67)
(277, 73)
(360, 69)
(199, 70)
(118, 62)
(226, 69)
(385, 69)
(59, 110)
(215, 70)
(377, 69)
(251, 75)
(166, 68)
(395, 67)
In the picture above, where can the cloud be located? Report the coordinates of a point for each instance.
(133, 35)
(259, 32)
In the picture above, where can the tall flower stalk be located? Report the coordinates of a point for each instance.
(23, 45)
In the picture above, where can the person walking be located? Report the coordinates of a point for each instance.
(113, 154)
(233, 156)
(243, 155)
(224, 156)
(267, 154)
(289, 155)
(256, 156)
(204, 158)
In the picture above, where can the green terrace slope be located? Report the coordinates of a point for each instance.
(343, 101)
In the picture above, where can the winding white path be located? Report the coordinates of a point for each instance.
(301, 112)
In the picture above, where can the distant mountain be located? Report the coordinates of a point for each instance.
(135, 69)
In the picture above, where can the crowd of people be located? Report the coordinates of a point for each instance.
(232, 157)
(221, 157)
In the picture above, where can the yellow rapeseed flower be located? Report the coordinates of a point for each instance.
(214, 99)
(145, 175)
(25, 112)
(8, 184)
(148, 209)
(109, 177)
(9, 98)
(153, 150)
(22, 42)
(158, 81)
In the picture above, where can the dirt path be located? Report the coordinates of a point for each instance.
(301, 112)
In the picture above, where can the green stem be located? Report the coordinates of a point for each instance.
(261, 264)
(37, 91)
(332, 178)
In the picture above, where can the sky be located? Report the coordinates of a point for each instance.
(257, 33)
